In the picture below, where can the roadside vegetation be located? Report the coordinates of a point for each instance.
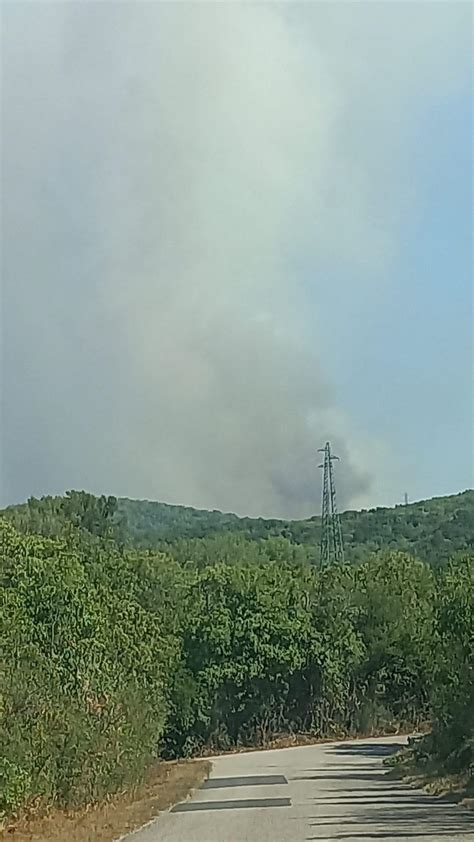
(119, 814)
(114, 657)
(444, 758)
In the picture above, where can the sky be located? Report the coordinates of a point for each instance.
(231, 232)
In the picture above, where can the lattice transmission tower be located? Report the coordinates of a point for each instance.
(332, 546)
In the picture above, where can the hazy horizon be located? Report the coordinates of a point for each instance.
(316, 513)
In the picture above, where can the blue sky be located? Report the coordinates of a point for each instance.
(411, 374)
(231, 232)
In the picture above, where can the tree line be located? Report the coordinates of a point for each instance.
(432, 530)
(113, 657)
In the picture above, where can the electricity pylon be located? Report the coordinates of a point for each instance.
(332, 547)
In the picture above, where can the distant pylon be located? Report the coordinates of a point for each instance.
(332, 547)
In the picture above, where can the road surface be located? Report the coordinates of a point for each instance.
(335, 791)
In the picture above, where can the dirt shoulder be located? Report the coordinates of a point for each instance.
(456, 788)
(110, 820)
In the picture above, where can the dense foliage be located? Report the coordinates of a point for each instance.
(112, 656)
(433, 530)
(449, 748)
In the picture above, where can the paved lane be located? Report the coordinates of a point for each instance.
(335, 791)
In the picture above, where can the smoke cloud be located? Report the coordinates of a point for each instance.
(168, 171)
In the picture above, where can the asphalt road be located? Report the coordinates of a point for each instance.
(336, 791)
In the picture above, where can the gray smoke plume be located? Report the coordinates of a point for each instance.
(168, 169)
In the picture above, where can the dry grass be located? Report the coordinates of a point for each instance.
(108, 821)
(286, 740)
(457, 788)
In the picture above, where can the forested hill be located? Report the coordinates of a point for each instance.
(115, 655)
(431, 529)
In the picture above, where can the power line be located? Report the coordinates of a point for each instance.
(332, 545)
